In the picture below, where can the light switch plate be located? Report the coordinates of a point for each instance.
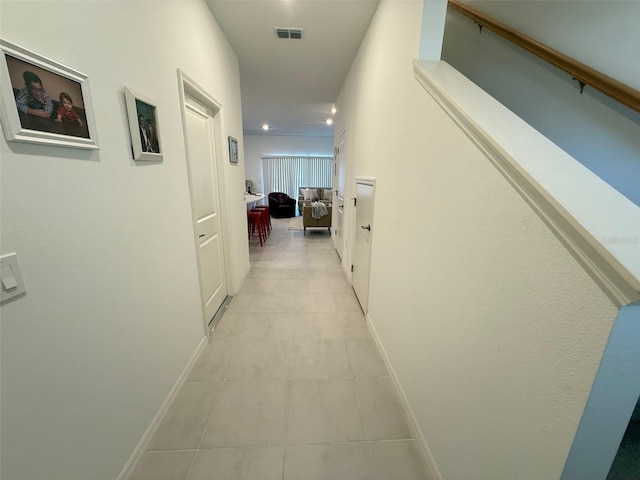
(12, 283)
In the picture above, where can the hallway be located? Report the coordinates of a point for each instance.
(291, 385)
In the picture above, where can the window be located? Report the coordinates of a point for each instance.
(287, 174)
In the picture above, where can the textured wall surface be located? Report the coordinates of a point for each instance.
(493, 329)
(599, 132)
(112, 313)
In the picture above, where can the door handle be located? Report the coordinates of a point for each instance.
(365, 227)
(202, 235)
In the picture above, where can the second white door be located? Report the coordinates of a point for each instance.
(362, 239)
(205, 204)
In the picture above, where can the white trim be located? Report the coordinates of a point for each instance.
(598, 225)
(145, 441)
(238, 285)
(370, 181)
(423, 447)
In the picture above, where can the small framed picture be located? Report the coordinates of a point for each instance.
(143, 126)
(233, 150)
(43, 101)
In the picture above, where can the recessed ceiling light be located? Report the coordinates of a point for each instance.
(265, 127)
(334, 110)
(329, 121)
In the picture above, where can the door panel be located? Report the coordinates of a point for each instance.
(205, 203)
(362, 242)
(211, 278)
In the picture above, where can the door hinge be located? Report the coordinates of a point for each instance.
(355, 201)
(351, 268)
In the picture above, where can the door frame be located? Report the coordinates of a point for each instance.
(187, 86)
(339, 159)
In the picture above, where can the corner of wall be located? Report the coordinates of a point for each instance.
(611, 402)
(433, 18)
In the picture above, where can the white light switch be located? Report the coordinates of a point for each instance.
(8, 280)
(12, 283)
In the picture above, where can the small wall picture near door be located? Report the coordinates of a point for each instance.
(233, 150)
(143, 125)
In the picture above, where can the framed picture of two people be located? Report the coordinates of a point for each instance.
(43, 101)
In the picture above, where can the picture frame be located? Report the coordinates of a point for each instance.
(146, 142)
(43, 101)
(233, 150)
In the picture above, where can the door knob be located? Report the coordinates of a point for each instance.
(365, 227)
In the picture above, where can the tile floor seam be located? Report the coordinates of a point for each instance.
(295, 452)
(364, 425)
(206, 424)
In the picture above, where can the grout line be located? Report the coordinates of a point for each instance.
(364, 426)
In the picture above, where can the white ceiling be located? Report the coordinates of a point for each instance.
(292, 84)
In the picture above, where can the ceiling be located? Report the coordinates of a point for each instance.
(292, 84)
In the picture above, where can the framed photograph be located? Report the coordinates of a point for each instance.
(233, 150)
(143, 126)
(43, 101)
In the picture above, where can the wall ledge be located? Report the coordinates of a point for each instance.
(597, 224)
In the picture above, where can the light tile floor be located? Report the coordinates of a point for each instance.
(291, 385)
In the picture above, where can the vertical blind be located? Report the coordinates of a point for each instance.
(287, 174)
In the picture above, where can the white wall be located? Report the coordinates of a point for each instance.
(608, 30)
(112, 313)
(255, 146)
(495, 331)
(596, 130)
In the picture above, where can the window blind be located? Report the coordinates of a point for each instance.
(288, 173)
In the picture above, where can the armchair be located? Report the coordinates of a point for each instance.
(309, 221)
(281, 205)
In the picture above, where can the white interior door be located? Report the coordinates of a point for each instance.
(205, 204)
(365, 195)
(338, 196)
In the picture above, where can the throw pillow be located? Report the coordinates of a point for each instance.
(306, 194)
(328, 194)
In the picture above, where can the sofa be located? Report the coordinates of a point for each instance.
(306, 196)
(309, 221)
(281, 205)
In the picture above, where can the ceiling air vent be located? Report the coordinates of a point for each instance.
(291, 33)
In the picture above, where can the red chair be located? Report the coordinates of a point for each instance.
(266, 217)
(255, 225)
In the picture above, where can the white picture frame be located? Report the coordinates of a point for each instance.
(233, 150)
(55, 85)
(145, 146)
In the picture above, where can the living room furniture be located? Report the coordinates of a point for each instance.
(256, 227)
(266, 216)
(307, 195)
(281, 205)
(308, 221)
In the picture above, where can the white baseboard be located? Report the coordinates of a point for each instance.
(144, 442)
(238, 285)
(416, 431)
